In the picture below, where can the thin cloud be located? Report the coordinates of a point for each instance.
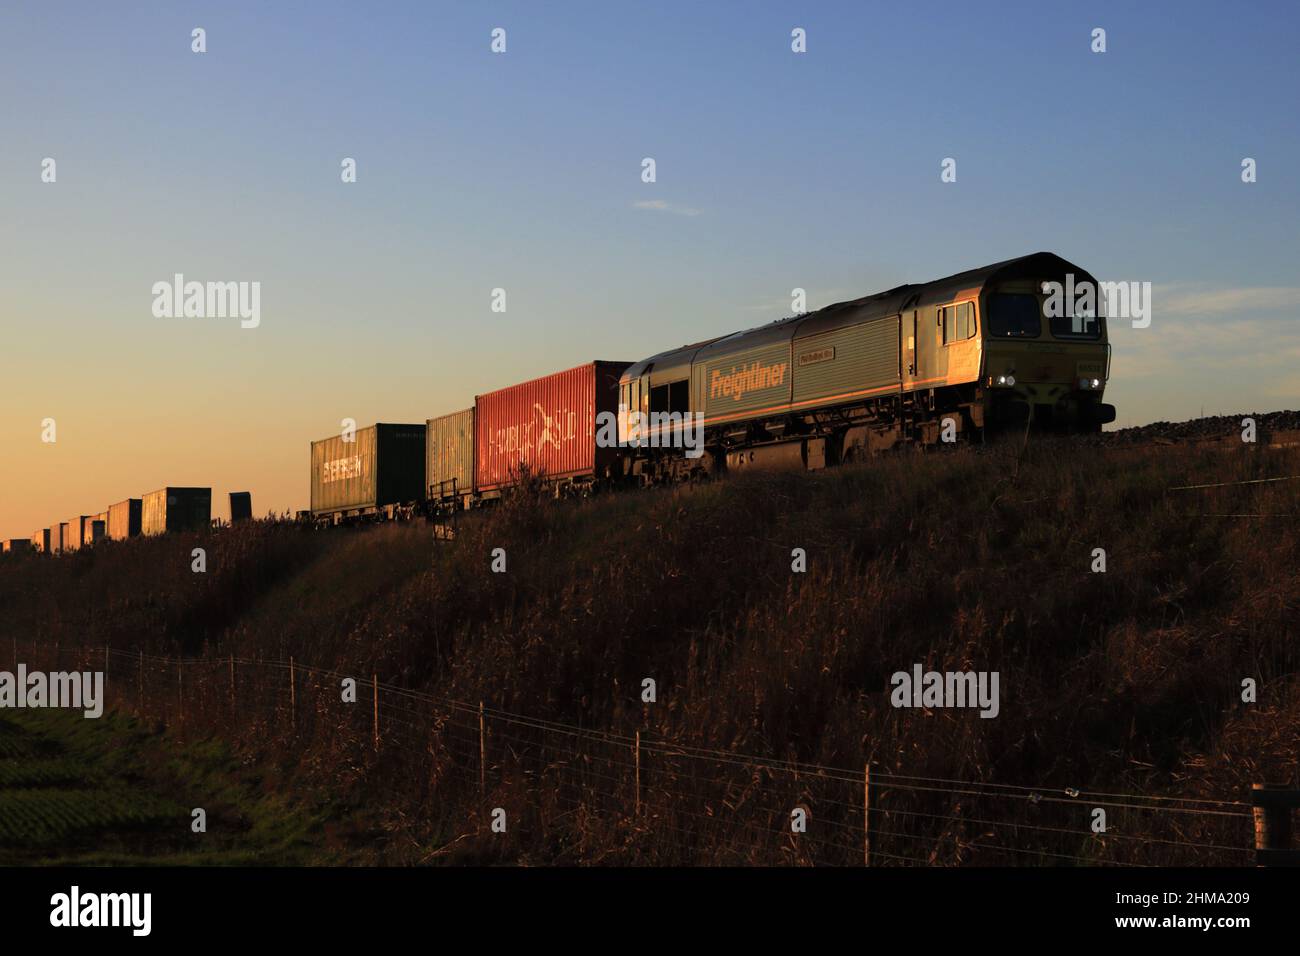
(1191, 299)
(659, 205)
(1204, 348)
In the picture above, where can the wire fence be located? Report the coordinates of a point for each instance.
(704, 805)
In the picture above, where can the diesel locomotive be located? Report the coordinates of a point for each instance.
(965, 354)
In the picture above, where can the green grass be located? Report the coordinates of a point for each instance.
(109, 791)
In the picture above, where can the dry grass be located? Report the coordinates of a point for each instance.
(1123, 682)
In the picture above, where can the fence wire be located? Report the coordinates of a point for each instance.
(705, 805)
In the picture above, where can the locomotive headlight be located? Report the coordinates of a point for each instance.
(1089, 384)
(1004, 381)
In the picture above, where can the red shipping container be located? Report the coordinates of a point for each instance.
(548, 424)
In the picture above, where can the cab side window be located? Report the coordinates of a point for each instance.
(659, 398)
(680, 396)
(671, 397)
(957, 322)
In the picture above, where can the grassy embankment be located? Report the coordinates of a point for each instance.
(1125, 682)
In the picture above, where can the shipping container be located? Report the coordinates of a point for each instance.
(241, 506)
(449, 465)
(123, 520)
(382, 466)
(41, 540)
(176, 509)
(95, 528)
(75, 534)
(549, 425)
(17, 545)
(62, 536)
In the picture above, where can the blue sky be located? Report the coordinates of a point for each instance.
(522, 171)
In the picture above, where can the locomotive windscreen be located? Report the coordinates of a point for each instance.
(1014, 315)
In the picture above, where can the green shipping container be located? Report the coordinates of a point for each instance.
(382, 465)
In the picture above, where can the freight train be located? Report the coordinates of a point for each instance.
(167, 510)
(917, 364)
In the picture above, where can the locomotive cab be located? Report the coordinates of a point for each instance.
(1045, 355)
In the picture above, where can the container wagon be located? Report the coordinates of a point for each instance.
(17, 545)
(379, 474)
(548, 428)
(123, 519)
(449, 462)
(175, 509)
(62, 531)
(41, 541)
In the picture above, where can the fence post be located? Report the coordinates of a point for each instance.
(293, 698)
(866, 814)
(482, 752)
(1273, 803)
(638, 773)
(376, 685)
(180, 696)
(232, 685)
(142, 682)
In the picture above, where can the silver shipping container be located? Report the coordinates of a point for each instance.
(63, 532)
(382, 465)
(41, 540)
(176, 509)
(17, 545)
(123, 519)
(449, 462)
(75, 534)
